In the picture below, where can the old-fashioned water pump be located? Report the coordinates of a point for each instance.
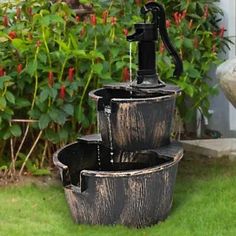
(146, 34)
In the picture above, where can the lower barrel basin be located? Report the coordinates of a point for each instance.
(135, 189)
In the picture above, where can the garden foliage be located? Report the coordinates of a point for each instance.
(50, 58)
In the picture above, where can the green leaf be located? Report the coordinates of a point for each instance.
(44, 95)
(58, 116)
(97, 68)
(63, 134)
(69, 109)
(80, 53)
(80, 116)
(63, 46)
(51, 19)
(44, 121)
(15, 130)
(120, 65)
(19, 44)
(3, 103)
(40, 172)
(21, 102)
(188, 43)
(4, 80)
(10, 97)
(5, 134)
(31, 68)
(96, 54)
(3, 39)
(3, 168)
(52, 136)
(42, 57)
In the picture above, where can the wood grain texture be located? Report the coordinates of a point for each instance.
(135, 198)
(138, 125)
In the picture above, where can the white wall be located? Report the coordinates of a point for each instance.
(224, 117)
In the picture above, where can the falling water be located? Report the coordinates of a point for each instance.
(98, 146)
(99, 156)
(108, 115)
(130, 66)
(130, 62)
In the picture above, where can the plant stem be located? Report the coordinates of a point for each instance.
(86, 87)
(30, 152)
(89, 77)
(22, 141)
(63, 68)
(64, 63)
(36, 80)
(13, 161)
(44, 154)
(46, 46)
(2, 147)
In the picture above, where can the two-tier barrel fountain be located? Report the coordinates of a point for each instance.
(126, 174)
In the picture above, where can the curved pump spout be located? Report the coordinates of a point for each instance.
(146, 34)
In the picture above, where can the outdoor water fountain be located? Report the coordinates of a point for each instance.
(126, 174)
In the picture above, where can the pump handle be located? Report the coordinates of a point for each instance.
(159, 19)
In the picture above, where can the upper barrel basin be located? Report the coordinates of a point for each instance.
(130, 123)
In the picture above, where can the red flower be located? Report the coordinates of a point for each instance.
(222, 31)
(190, 24)
(104, 17)
(5, 20)
(71, 73)
(176, 18)
(30, 36)
(18, 13)
(113, 20)
(214, 48)
(126, 32)
(62, 92)
(2, 72)
(93, 19)
(183, 15)
(38, 43)
(19, 68)
(12, 34)
(195, 42)
(162, 48)
(125, 74)
(77, 18)
(138, 2)
(30, 11)
(83, 31)
(50, 79)
(168, 24)
(206, 12)
(214, 34)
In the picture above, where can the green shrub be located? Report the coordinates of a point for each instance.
(50, 58)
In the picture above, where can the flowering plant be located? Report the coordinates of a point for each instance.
(50, 58)
(198, 35)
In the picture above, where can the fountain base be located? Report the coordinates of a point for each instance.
(135, 189)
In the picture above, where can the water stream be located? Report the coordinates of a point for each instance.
(108, 115)
(99, 156)
(130, 67)
(130, 62)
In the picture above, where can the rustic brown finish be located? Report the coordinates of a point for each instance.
(135, 198)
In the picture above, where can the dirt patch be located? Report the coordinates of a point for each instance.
(27, 178)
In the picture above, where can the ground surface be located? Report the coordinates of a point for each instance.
(204, 204)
